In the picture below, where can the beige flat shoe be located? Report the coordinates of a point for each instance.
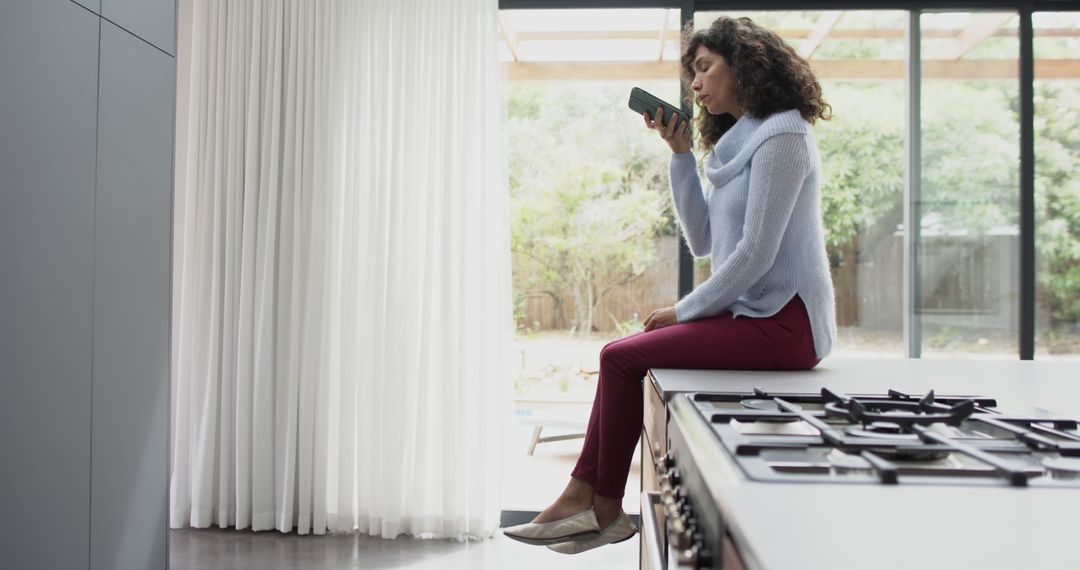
(580, 526)
(618, 531)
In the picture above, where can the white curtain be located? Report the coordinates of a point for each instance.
(344, 285)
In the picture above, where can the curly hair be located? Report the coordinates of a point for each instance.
(769, 75)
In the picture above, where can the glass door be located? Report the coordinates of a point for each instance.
(1057, 184)
(593, 236)
(968, 261)
(858, 57)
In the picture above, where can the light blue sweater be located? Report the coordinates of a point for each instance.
(760, 219)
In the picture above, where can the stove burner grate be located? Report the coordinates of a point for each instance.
(925, 437)
(903, 412)
(831, 436)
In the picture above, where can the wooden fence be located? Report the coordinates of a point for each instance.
(964, 280)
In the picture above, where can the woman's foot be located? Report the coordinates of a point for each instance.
(619, 530)
(569, 518)
(581, 526)
(607, 509)
(577, 497)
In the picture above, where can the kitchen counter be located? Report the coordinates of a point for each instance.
(1052, 385)
(823, 525)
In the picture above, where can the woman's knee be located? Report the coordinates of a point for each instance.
(610, 355)
(613, 352)
(603, 351)
(618, 361)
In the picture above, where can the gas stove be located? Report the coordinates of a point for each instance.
(751, 477)
(891, 438)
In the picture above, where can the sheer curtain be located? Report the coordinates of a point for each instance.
(344, 287)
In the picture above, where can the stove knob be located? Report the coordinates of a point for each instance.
(668, 504)
(662, 460)
(677, 534)
(677, 497)
(676, 526)
(668, 494)
(670, 477)
(673, 508)
(688, 557)
(681, 536)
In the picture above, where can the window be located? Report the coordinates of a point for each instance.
(594, 240)
(968, 207)
(858, 58)
(1057, 183)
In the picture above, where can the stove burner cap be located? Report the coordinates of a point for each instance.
(884, 427)
(881, 430)
(763, 405)
(846, 463)
(1062, 467)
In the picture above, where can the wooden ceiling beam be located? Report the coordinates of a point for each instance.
(822, 27)
(590, 70)
(980, 27)
(590, 35)
(787, 34)
(854, 70)
(508, 36)
(663, 33)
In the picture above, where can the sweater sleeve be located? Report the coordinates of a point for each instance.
(690, 203)
(777, 172)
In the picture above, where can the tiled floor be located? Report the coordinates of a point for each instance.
(214, 549)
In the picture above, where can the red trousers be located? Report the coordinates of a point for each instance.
(780, 342)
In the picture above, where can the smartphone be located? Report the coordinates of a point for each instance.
(641, 101)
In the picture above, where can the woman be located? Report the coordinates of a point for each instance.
(768, 304)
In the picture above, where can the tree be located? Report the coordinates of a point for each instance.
(1057, 199)
(589, 185)
(588, 192)
(862, 150)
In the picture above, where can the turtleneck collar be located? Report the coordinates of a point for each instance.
(731, 141)
(735, 148)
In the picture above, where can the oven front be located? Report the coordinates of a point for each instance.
(681, 526)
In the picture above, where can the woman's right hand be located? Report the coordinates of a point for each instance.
(677, 136)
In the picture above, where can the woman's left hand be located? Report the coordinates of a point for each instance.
(661, 318)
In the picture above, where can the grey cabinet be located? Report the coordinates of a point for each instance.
(152, 20)
(86, 147)
(92, 5)
(48, 108)
(131, 303)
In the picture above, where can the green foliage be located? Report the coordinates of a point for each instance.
(628, 327)
(588, 191)
(971, 155)
(970, 170)
(1057, 198)
(862, 151)
(589, 184)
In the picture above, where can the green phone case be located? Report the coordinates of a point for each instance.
(641, 101)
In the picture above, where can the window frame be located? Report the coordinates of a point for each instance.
(915, 8)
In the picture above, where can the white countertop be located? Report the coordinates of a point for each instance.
(1052, 385)
(781, 526)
